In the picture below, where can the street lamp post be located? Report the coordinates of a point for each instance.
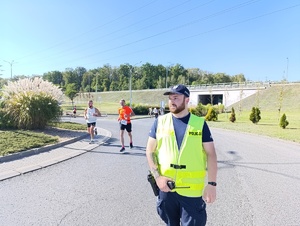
(130, 83)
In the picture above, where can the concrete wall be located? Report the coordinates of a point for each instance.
(230, 96)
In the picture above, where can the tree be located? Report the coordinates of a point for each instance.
(56, 77)
(238, 78)
(255, 115)
(207, 79)
(232, 116)
(283, 122)
(280, 100)
(221, 78)
(86, 81)
(71, 91)
(148, 74)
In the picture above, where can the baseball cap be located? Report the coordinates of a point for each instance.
(179, 89)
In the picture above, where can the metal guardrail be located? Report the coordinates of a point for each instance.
(239, 85)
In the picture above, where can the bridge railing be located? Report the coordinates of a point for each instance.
(230, 85)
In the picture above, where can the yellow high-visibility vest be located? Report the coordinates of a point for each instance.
(187, 166)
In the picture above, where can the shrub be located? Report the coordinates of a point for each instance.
(255, 115)
(221, 108)
(5, 121)
(192, 110)
(200, 110)
(232, 116)
(211, 115)
(31, 103)
(140, 110)
(283, 122)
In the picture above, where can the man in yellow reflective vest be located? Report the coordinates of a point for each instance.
(181, 156)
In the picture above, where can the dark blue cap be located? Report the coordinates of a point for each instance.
(179, 89)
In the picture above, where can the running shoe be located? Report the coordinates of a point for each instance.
(122, 149)
(131, 146)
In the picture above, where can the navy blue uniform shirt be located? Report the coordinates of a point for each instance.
(180, 125)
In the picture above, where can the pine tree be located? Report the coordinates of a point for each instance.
(255, 115)
(232, 116)
(283, 122)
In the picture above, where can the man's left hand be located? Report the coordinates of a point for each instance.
(209, 194)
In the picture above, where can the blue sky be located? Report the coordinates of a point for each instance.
(259, 38)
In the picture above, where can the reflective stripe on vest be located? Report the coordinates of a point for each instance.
(186, 167)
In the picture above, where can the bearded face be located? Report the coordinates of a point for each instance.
(90, 104)
(177, 103)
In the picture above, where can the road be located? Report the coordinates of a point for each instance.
(258, 184)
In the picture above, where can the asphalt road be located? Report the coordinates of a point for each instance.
(258, 184)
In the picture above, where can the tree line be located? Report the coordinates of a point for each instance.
(146, 76)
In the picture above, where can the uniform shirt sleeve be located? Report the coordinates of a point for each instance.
(206, 135)
(152, 132)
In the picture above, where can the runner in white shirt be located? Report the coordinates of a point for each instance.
(90, 115)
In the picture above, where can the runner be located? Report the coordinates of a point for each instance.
(90, 114)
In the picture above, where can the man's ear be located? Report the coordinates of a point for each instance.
(187, 100)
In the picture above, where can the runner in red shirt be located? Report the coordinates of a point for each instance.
(124, 119)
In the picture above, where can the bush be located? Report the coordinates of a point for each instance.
(31, 103)
(221, 108)
(5, 121)
(283, 122)
(200, 110)
(255, 115)
(140, 110)
(211, 115)
(232, 116)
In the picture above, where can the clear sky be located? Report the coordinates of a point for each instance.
(259, 38)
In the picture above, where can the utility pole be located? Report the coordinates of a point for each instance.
(11, 64)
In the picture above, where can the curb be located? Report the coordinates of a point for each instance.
(50, 155)
(27, 153)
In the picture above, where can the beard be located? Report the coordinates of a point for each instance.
(177, 108)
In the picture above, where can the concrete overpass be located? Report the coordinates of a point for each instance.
(226, 93)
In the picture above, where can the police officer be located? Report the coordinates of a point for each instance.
(179, 151)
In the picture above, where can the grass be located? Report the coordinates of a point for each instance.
(13, 141)
(267, 126)
(68, 125)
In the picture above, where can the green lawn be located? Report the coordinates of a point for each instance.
(13, 141)
(268, 125)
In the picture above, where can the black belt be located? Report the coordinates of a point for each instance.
(178, 166)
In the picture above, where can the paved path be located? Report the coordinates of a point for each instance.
(72, 143)
(258, 184)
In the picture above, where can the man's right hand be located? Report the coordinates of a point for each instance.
(161, 182)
